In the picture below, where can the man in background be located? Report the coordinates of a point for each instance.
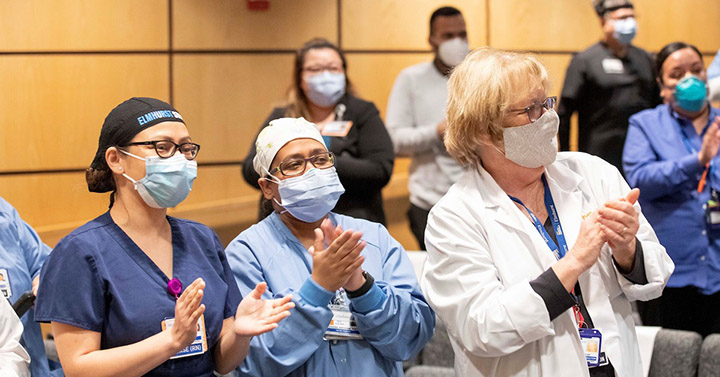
(606, 84)
(416, 117)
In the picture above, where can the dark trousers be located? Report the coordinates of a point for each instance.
(418, 222)
(687, 309)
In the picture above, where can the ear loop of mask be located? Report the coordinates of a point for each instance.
(275, 180)
(124, 174)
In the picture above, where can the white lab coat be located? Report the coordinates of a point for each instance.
(483, 252)
(14, 360)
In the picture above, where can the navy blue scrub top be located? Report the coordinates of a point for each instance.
(98, 279)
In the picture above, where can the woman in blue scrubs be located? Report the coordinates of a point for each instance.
(135, 292)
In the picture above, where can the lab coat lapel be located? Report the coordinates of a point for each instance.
(570, 201)
(503, 211)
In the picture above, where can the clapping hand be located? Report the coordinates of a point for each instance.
(710, 143)
(335, 265)
(256, 316)
(619, 222)
(187, 312)
(355, 280)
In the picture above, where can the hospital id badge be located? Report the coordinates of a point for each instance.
(613, 66)
(5, 283)
(342, 325)
(712, 214)
(592, 346)
(338, 128)
(198, 346)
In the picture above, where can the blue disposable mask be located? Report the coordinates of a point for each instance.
(625, 30)
(311, 196)
(326, 89)
(690, 94)
(167, 181)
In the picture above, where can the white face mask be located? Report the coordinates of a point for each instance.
(453, 52)
(534, 144)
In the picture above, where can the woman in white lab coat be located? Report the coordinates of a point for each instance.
(533, 256)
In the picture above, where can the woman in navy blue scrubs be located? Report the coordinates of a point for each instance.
(136, 292)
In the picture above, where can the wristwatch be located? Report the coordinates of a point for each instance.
(369, 281)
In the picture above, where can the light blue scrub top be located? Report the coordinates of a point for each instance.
(22, 254)
(393, 316)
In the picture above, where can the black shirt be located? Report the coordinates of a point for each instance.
(605, 91)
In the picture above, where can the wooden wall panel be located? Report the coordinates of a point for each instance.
(53, 204)
(220, 198)
(566, 25)
(556, 64)
(228, 24)
(663, 21)
(82, 25)
(707, 59)
(373, 75)
(393, 25)
(218, 183)
(52, 106)
(225, 98)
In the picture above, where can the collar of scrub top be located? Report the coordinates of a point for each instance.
(287, 234)
(142, 259)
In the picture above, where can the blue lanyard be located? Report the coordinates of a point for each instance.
(559, 252)
(687, 143)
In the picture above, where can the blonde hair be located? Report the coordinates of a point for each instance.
(480, 92)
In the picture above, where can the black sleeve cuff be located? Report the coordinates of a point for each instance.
(637, 274)
(557, 299)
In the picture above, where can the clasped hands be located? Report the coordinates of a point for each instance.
(336, 257)
(616, 223)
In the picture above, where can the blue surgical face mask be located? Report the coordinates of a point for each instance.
(690, 94)
(625, 30)
(326, 89)
(311, 196)
(167, 181)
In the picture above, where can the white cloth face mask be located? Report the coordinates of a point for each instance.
(453, 52)
(534, 144)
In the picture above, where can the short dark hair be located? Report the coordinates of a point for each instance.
(667, 51)
(443, 12)
(603, 7)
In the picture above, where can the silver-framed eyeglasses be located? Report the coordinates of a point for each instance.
(167, 148)
(535, 111)
(295, 166)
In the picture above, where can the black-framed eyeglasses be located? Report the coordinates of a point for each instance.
(167, 149)
(295, 166)
(534, 111)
